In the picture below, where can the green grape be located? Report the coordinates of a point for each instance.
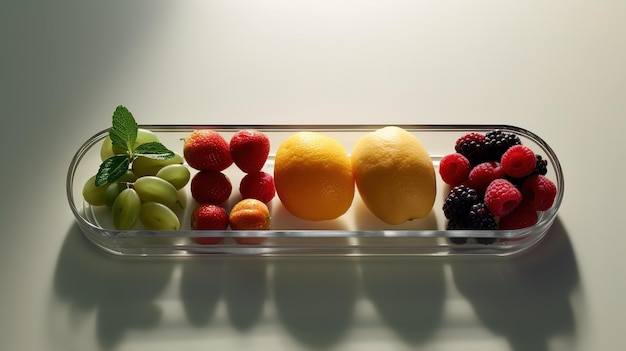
(93, 194)
(111, 192)
(156, 216)
(143, 136)
(143, 166)
(152, 188)
(125, 209)
(129, 177)
(176, 174)
(106, 150)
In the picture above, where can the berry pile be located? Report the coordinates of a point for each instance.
(497, 183)
(210, 154)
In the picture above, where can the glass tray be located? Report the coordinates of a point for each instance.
(356, 233)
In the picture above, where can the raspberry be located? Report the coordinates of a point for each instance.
(497, 142)
(539, 192)
(210, 187)
(471, 146)
(259, 186)
(454, 168)
(518, 161)
(502, 197)
(523, 216)
(459, 201)
(483, 174)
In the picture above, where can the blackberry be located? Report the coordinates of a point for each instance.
(485, 241)
(472, 147)
(542, 165)
(459, 201)
(479, 217)
(456, 224)
(497, 142)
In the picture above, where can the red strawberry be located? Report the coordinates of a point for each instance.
(210, 187)
(209, 217)
(258, 185)
(249, 149)
(206, 149)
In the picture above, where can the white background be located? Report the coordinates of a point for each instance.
(553, 67)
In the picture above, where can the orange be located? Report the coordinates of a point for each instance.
(313, 176)
(394, 175)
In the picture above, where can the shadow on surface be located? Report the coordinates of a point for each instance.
(119, 289)
(245, 290)
(315, 298)
(201, 287)
(408, 294)
(525, 298)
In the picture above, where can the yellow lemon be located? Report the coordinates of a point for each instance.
(394, 175)
(313, 176)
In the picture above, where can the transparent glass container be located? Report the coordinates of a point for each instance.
(356, 233)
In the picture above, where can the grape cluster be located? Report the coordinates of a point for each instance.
(147, 193)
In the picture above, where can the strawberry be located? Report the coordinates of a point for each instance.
(206, 149)
(249, 149)
(209, 217)
(210, 187)
(258, 185)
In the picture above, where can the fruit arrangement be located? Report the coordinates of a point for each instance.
(497, 183)
(210, 154)
(139, 177)
(494, 182)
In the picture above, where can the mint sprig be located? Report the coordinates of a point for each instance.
(123, 134)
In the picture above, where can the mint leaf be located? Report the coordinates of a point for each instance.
(112, 169)
(153, 150)
(123, 132)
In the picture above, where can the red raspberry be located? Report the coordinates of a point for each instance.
(249, 149)
(209, 217)
(258, 185)
(210, 187)
(207, 149)
(523, 216)
(539, 192)
(483, 174)
(518, 161)
(454, 169)
(502, 197)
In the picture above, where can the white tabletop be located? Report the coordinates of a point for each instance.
(553, 67)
